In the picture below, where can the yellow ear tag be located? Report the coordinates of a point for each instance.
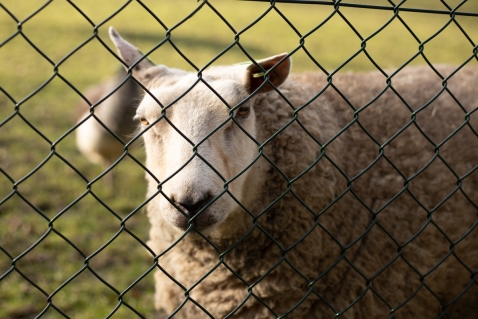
(258, 75)
(254, 75)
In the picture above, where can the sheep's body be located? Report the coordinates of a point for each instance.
(371, 224)
(353, 151)
(97, 144)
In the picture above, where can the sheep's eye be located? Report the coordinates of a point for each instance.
(243, 110)
(143, 121)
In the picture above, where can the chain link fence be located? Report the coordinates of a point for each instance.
(73, 244)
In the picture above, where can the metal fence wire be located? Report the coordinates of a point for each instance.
(31, 281)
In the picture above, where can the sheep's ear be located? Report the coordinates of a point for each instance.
(254, 76)
(130, 55)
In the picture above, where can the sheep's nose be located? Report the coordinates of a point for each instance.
(191, 206)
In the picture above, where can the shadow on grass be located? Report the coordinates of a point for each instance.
(181, 40)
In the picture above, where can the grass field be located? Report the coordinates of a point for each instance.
(40, 205)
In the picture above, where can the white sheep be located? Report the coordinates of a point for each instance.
(311, 203)
(116, 112)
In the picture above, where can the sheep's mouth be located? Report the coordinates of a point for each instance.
(202, 221)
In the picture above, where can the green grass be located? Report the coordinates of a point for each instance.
(59, 29)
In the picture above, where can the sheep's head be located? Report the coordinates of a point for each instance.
(199, 134)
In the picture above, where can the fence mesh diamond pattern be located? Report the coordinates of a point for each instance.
(73, 240)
